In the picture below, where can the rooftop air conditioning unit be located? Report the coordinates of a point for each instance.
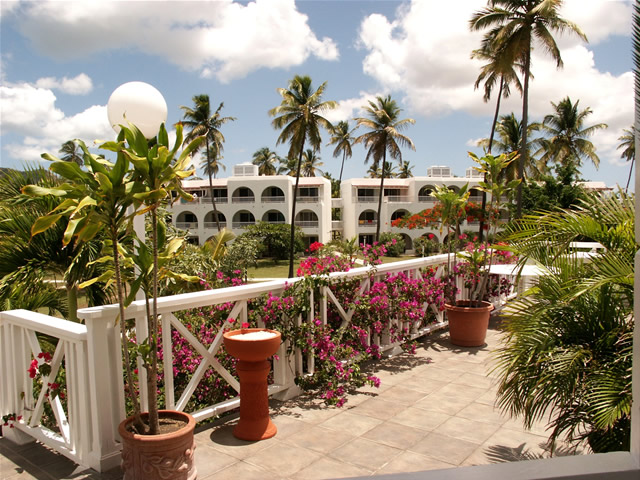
(245, 170)
(440, 171)
(473, 173)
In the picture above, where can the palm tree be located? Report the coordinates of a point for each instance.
(202, 123)
(406, 170)
(311, 164)
(343, 140)
(629, 149)
(384, 136)
(375, 171)
(515, 24)
(266, 160)
(568, 136)
(71, 152)
(509, 131)
(299, 115)
(211, 167)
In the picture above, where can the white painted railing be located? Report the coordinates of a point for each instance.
(93, 360)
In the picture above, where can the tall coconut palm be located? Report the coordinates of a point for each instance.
(311, 164)
(342, 138)
(71, 152)
(266, 160)
(201, 122)
(213, 166)
(515, 24)
(509, 130)
(567, 142)
(384, 136)
(628, 147)
(299, 115)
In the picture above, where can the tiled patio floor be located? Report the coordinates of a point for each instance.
(433, 410)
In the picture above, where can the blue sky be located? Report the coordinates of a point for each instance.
(61, 60)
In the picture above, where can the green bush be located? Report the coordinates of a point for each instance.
(425, 246)
(273, 239)
(394, 249)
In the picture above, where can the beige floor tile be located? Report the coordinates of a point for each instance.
(468, 392)
(421, 383)
(474, 380)
(418, 418)
(351, 423)
(395, 435)
(443, 403)
(412, 462)
(209, 461)
(469, 430)
(365, 453)
(222, 440)
(283, 459)
(330, 468)
(379, 408)
(402, 395)
(241, 470)
(489, 397)
(320, 439)
(444, 448)
(510, 445)
(441, 374)
(482, 413)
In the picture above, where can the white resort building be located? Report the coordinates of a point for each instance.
(246, 198)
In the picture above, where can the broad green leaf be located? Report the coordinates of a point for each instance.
(105, 277)
(104, 181)
(36, 191)
(163, 137)
(70, 230)
(50, 157)
(44, 223)
(193, 145)
(68, 170)
(137, 141)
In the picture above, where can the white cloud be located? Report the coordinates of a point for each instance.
(31, 112)
(350, 108)
(220, 38)
(423, 53)
(79, 85)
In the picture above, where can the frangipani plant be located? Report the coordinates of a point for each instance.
(106, 196)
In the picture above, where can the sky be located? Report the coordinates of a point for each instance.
(61, 60)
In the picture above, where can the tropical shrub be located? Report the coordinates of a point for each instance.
(426, 245)
(394, 243)
(567, 355)
(274, 239)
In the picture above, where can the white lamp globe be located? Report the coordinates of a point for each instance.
(140, 104)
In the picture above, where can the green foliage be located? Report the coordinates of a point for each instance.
(425, 246)
(394, 248)
(273, 239)
(568, 352)
(242, 254)
(561, 191)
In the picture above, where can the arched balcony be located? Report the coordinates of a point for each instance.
(186, 221)
(475, 196)
(426, 194)
(399, 214)
(368, 218)
(243, 195)
(307, 219)
(210, 220)
(273, 216)
(243, 219)
(272, 195)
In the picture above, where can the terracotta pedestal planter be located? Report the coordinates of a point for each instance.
(468, 325)
(159, 457)
(253, 369)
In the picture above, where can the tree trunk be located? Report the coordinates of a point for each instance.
(152, 377)
(344, 156)
(626, 189)
(72, 301)
(293, 209)
(523, 146)
(384, 158)
(493, 131)
(213, 200)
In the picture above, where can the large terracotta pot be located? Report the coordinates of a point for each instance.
(159, 457)
(253, 370)
(468, 325)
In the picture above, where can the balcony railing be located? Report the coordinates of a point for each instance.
(91, 353)
(204, 201)
(367, 223)
(426, 198)
(308, 199)
(186, 225)
(241, 224)
(337, 225)
(223, 224)
(273, 199)
(397, 199)
(366, 199)
(243, 199)
(307, 223)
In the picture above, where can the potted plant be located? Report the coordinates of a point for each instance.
(106, 196)
(469, 319)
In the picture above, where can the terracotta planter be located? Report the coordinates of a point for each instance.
(159, 457)
(468, 325)
(253, 369)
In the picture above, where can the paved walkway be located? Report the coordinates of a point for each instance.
(433, 410)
